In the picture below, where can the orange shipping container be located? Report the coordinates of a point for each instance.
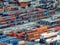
(43, 29)
(36, 35)
(23, 4)
(30, 36)
(9, 34)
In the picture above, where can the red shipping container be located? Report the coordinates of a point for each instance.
(57, 28)
(40, 10)
(11, 24)
(19, 35)
(3, 20)
(12, 18)
(3, 44)
(14, 33)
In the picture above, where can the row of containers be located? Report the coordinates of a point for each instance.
(32, 35)
(11, 16)
(14, 41)
(8, 19)
(42, 3)
(4, 40)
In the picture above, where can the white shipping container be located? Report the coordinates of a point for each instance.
(23, 0)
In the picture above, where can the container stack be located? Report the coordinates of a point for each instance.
(29, 22)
